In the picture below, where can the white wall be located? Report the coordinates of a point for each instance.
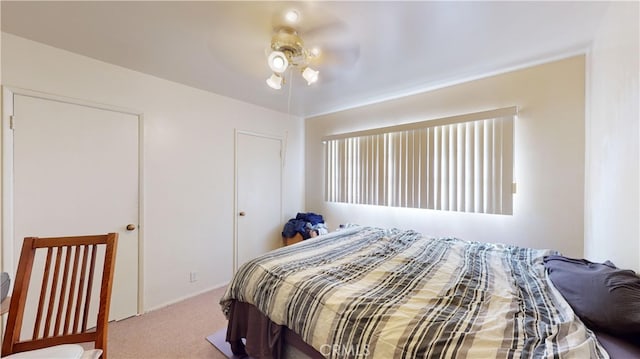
(612, 214)
(549, 157)
(188, 159)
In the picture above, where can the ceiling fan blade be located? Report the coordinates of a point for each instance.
(246, 57)
(334, 33)
(337, 45)
(331, 74)
(239, 45)
(344, 56)
(325, 31)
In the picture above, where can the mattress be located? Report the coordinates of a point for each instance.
(388, 293)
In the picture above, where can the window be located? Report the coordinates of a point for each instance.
(462, 163)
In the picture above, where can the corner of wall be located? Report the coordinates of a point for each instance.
(587, 152)
(612, 153)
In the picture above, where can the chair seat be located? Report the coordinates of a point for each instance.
(64, 351)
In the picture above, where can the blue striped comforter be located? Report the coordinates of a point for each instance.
(377, 293)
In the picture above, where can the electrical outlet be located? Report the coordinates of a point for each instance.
(193, 276)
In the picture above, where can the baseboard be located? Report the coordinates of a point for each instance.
(188, 296)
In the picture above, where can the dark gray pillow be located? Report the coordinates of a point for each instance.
(603, 296)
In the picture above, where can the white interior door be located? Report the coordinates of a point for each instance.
(258, 194)
(76, 173)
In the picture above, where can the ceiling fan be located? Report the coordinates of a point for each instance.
(287, 50)
(301, 37)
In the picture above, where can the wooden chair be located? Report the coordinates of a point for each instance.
(63, 313)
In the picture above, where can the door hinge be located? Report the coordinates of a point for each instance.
(514, 187)
(12, 122)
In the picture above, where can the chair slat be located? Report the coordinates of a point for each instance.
(79, 302)
(87, 300)
(43, 290)
(52, 294)
(63, 289)
(70, 298)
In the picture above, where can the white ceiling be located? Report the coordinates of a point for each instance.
(371, 50)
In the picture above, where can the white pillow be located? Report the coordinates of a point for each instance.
(64, 351)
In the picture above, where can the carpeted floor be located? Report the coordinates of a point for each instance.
(176, 331)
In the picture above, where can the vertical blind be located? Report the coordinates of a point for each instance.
(461, 163)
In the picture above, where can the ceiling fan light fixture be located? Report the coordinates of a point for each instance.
(292, 15)
(275, 81)
(315, 51)
(278, 61)
(310, 75)
(287, 50)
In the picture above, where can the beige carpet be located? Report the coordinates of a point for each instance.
(176, 331)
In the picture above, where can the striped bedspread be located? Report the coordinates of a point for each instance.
(378, 293)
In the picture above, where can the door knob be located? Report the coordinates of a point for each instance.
(241, 214)
(131, 227)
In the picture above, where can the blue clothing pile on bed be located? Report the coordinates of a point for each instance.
(307, 224)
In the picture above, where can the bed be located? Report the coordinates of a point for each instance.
(366, 292)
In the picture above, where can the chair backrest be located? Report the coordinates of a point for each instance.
(64, 313)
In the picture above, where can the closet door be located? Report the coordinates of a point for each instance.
(258, 195)
(75, 172)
